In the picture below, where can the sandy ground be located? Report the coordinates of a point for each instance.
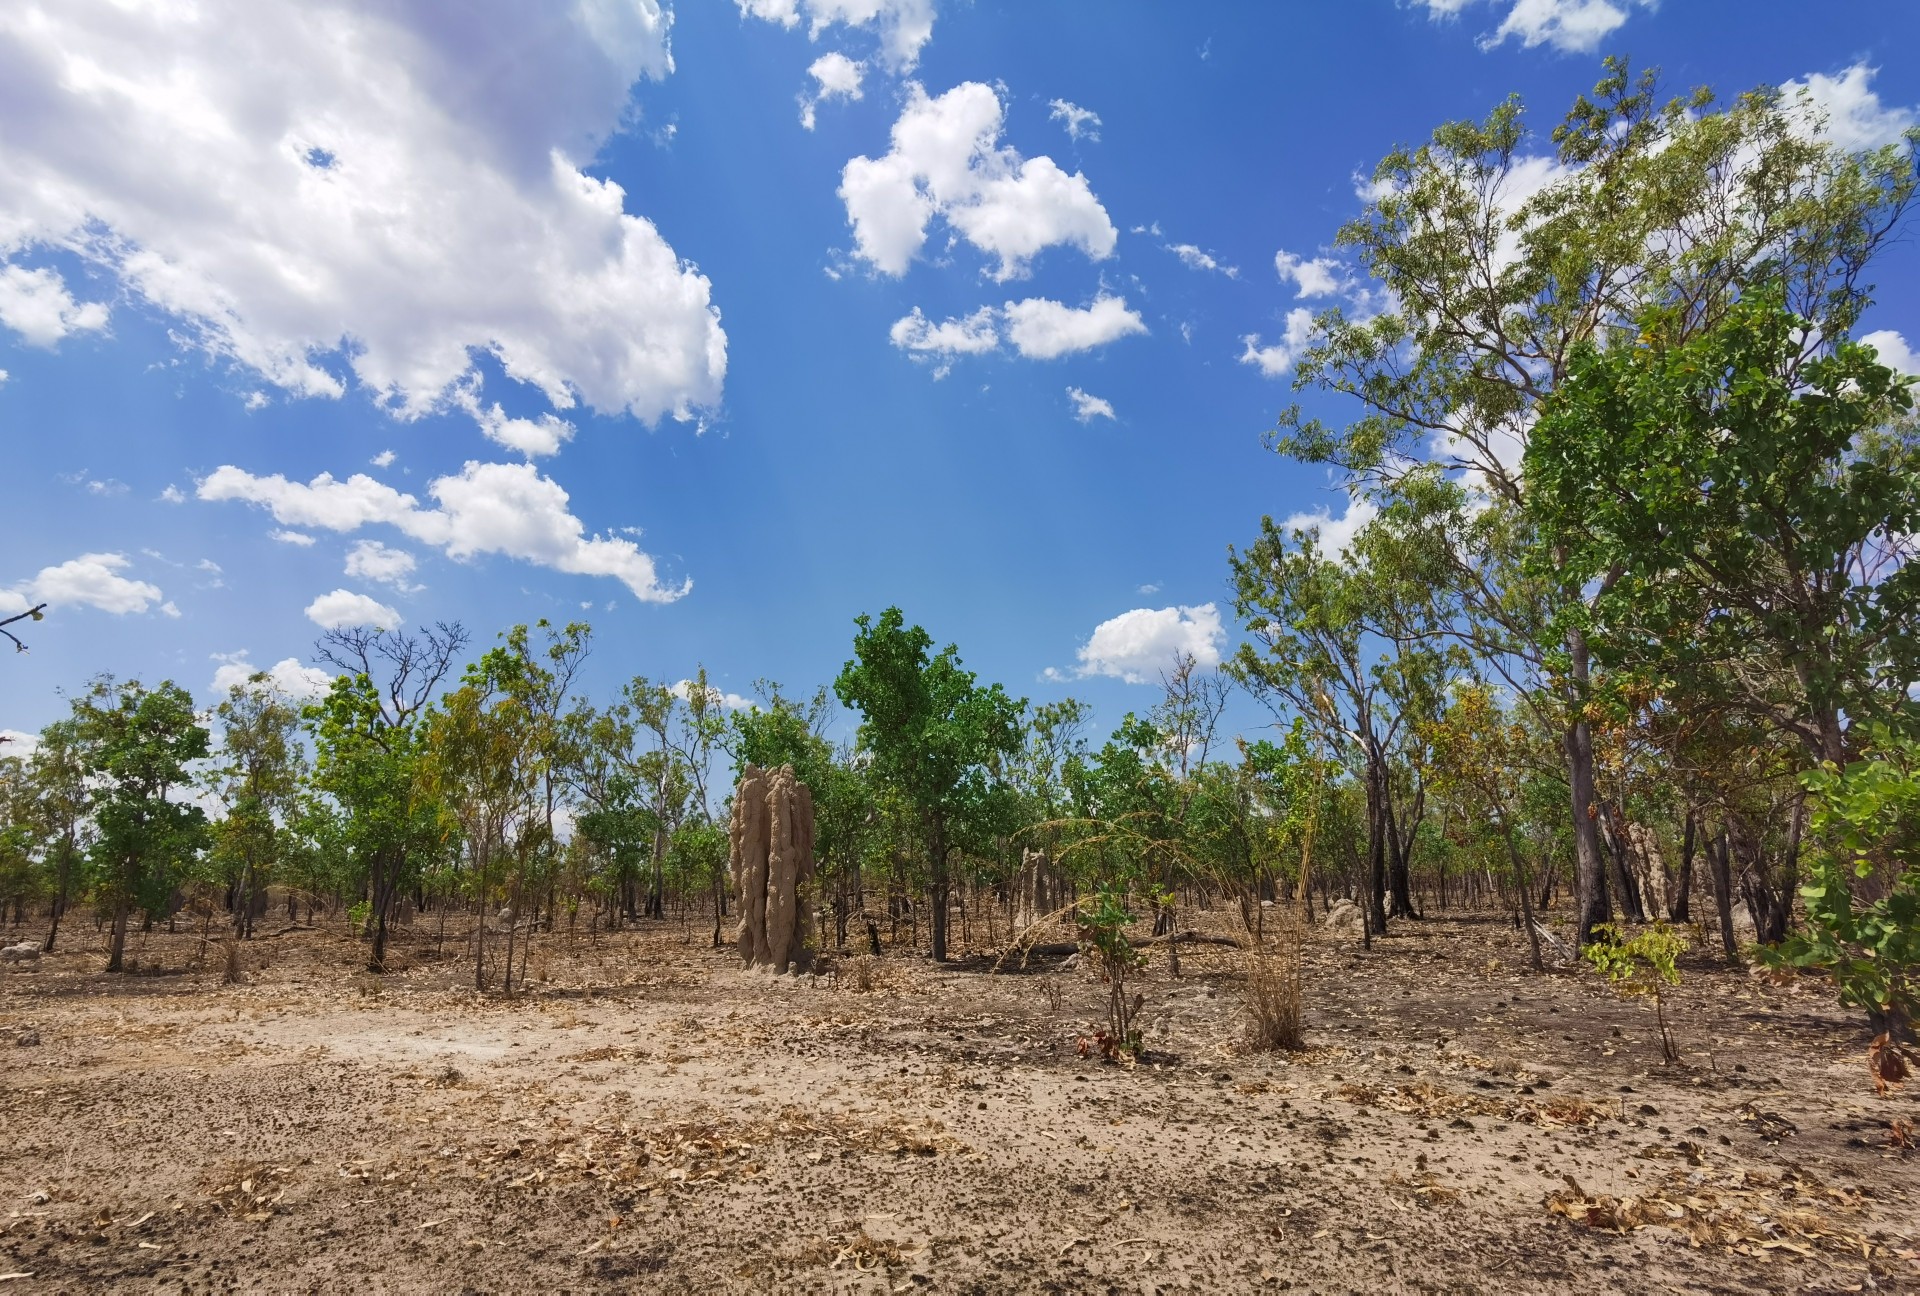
(650, 1118)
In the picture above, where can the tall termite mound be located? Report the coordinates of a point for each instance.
(772, 839)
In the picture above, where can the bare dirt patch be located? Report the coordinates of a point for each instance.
(650, 1117)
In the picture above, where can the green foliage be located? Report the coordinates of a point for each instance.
(1102, 923)
(139, 745)
(937, 737)
(1863, 887)
(1738, 492)
(1644, 965)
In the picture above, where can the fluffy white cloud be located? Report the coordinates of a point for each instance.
(1195, 258)
(837, 77)
(287, 675)
(1088, 407)
(341, 609)
(18, 743)
(904, 26)
(1335, 534)
(974, 334)
(1136, 646)
(1315, 277)
(530, 437)
(173, 495)
(946, 161)
(716, 697)
(382, 460)
(1848, 111)
(371, 560)
(1276, 359)
(91, 580)
(1041, 329)
(1894, 352)
(1038, 328)
(36, 305)
(1571, 26)
(507, 509)
(389, 189)
(300, 538)
(1079, 123)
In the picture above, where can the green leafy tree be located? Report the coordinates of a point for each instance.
(1748, 493)
(934, 734)
(368, 734)
(57, 810)
(259, 775)
(138, 747)
(1863, 886)
(1493, 264)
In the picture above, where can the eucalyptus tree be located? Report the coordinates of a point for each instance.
(57, 805)
(260, 771)
(138, 746)
(935, 735)
(368, 736)
(1494, 264)
(484, 748)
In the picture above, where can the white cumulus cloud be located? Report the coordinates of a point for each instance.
(1041, 329)
(36, 304)
(1079, 123)
(1136, 646)
(1311, 277)
(1894, 351)
(1088, 407)
(386, 189)
(371, 560)
(287, 675)
(342, 609)
(1571, 26)
(1196, 258)
(716, 697)
(1335, 534)
(91, 580)
(946, 160)
(973, 334)
(506, 509)
(1038, 328)
(836, 77)
(902, 26)
(1847, 109)
(1277, 358)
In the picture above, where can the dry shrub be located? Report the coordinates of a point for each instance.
(1275, 1013)
(232, 973)
(1050, 992)
(860, 973)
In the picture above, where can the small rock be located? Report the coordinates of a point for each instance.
(27, 1038)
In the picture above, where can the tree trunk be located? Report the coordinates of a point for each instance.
(1720, 875)
(1617, 847)
(1683, 885)
(1401, 882)
(1589, 868)
(117, 945)
(941, 887)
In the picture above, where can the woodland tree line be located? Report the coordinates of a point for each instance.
(1629, 634)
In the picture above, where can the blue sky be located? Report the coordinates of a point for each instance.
(582, 320)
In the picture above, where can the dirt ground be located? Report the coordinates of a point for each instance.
(650, 1118)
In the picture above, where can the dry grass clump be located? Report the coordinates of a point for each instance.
(232, 973)
(1275, 1011)
(859, 973)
